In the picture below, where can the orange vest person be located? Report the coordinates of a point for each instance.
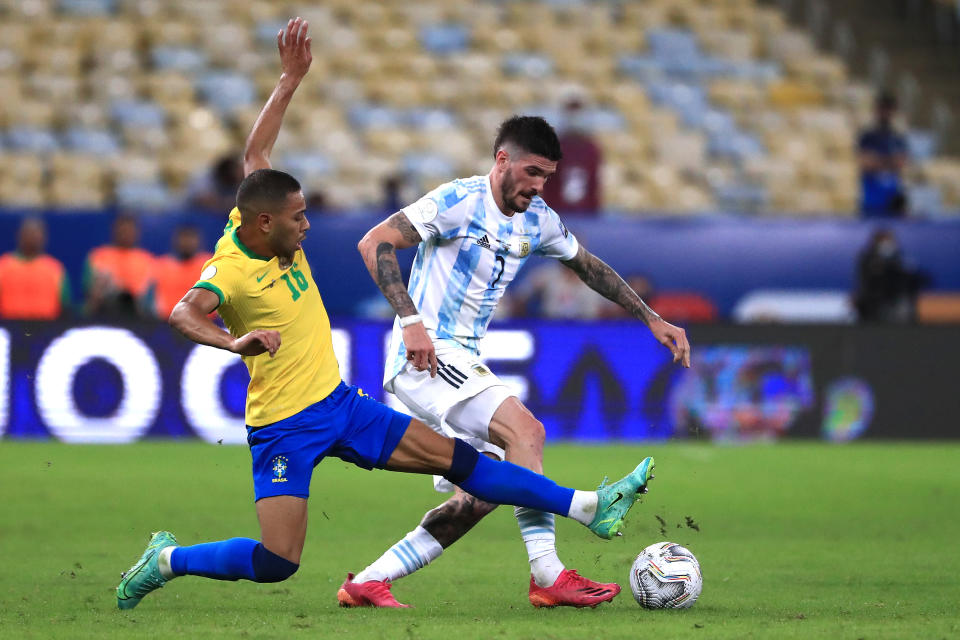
(178, 271)
(119, 276)
(33, 285)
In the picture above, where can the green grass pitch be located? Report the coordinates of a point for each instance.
(795, 540)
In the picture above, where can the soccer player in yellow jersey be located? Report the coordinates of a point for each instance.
(298, 409)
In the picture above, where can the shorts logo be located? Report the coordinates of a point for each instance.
(480, 370)
(279, 469)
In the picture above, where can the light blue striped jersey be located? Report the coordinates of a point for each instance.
(470, 252)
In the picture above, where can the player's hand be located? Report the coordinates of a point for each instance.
(673, 338)
(420, 349)
(256, 342)
(294, 46)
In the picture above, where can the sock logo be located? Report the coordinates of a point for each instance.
(279, 469)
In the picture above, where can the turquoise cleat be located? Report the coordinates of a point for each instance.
(144, 576)
(615, 500)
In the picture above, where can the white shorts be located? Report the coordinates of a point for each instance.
(459, 402)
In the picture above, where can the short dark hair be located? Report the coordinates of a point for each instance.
(265, 190)
(533, 134)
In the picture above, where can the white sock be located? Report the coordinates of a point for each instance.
(163, 563)
(540, 537)
(417, 549)
(583, 508)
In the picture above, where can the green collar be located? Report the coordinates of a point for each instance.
(247, 252)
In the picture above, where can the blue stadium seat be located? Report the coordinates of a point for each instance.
(427, 118)
(138, 195)
(95, 141)
(443, 39)
(226, 91)
(306, 165)
(137, 113)
(528, 64)
(433, 164)
(642, 68)
(88, 7)
(602, 120)
(673, 44)
(921, 145)
(736, 145)
(366, 116)
(183, 59)
(32, 139)
(267, 31)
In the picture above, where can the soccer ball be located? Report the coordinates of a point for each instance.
(666, 576)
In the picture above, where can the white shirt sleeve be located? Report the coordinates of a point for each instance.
(437, 213)
(555, 240)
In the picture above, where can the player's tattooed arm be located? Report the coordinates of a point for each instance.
(390, 280)
(379, 250)
(454, 518)
(598, 275)
(401, 223)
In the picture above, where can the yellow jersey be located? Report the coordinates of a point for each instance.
(255, 293)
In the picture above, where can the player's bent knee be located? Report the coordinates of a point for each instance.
(269, 567)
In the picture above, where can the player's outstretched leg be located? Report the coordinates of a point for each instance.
(421, 450)
(233, 559)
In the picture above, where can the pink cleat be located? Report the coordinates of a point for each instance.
(374, 593)
(572, 590)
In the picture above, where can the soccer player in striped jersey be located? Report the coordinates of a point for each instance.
(472, 236)
(298, 410)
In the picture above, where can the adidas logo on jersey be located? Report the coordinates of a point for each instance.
(484, 242)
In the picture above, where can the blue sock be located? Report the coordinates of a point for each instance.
(225, 560)
(231, 559)
(505, 482)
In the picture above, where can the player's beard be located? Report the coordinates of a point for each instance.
(506, 187)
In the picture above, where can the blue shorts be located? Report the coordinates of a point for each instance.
(350, 426)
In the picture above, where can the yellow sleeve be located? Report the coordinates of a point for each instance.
(223, 276)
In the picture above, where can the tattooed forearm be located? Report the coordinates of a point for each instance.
(598, 275)
(390, 280)
(401, 223)
(451, 520)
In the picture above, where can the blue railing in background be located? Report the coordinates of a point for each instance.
(722, 257)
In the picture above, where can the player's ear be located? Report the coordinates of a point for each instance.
(502, 159)
(264, 221)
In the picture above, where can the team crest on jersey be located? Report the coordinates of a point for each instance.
(279, 469)
(523, 246)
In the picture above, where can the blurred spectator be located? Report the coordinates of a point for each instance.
(119, 276)
(883, 154)
(554, 291)
(886, 287)
(216, 190)
(392, 200)
(179, 270)
(33, 285)
(575, 187)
